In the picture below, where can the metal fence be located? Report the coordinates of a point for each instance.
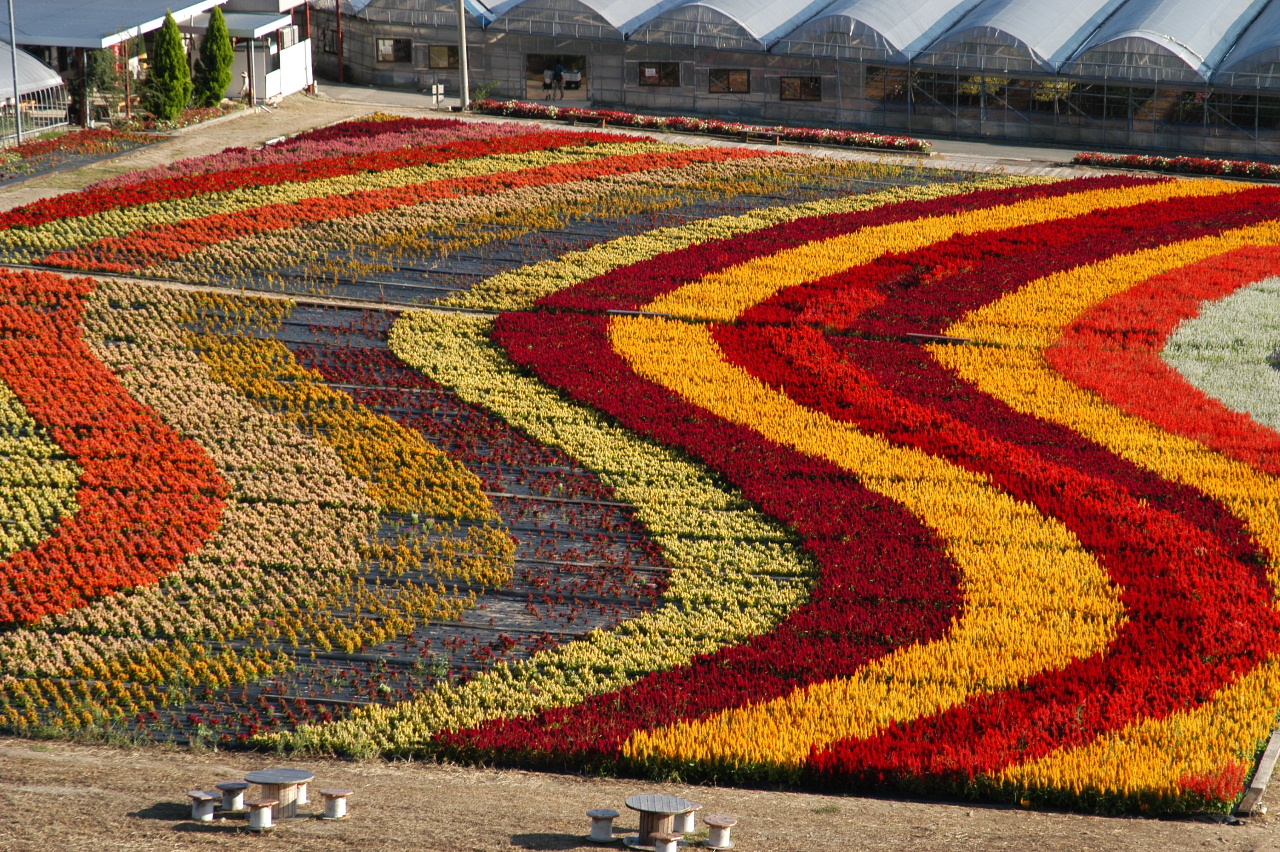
(41, 111)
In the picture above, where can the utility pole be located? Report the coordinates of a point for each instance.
(17, 96)
(337, 8)
(464, 83)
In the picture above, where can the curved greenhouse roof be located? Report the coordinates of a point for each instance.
(1019, 35)
(33, 75)
(433, 13)
(1231, 42)
(885, 30)
(1255, 59)
(1175, 40)
(726, 24)
(568, 17)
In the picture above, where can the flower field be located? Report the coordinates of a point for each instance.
(569, 450)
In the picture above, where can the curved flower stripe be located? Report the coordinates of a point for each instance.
(404, 472)
(1014, 369)
(1227, 353)
(1009, 630)
(1166, 566)
(886, 580)
(375, 132)
(37, 480)
(155, 243)
(522, 288)
(925, 290)
(439, 228)
(735, 573)
(918, 291)
(1115, 350)
(1022, 378)
(229, 186)
(723, 296)
(69, 234)
(148, 497)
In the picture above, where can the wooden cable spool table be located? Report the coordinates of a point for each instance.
(657, 815)
(281, 785)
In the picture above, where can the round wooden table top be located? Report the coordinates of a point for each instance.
(279, 777)
(654, 803)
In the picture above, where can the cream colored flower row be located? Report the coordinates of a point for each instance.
(735, 573)
(59, 234)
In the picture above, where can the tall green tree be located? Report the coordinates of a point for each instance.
(213, 68)
(168, 89)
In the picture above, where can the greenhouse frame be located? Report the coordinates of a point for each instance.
(1140, 74)
(42, 96)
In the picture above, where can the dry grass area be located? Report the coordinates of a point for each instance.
(64, 797)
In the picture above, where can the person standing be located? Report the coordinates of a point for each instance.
(557, 81)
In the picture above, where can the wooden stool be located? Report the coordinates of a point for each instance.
(335, 803)
(602, 825)
(232, 794)
(202, 802)
(260, 814)
(687, 822)
(720, 825)
(666, 841)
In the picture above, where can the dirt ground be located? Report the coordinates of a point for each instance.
(68, 797)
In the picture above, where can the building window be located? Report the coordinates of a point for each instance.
(724, 80)
(395, 50)
(329, 40)
(659, 73)
(442, 56)
(801, 88)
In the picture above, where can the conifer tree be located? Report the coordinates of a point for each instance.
(213, 68)
(168, 88)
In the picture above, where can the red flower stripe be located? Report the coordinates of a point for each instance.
(1114, 350)
(925, 291)
(147, 496)
(149, 246)
(631, 287)
(921, 291)
(1181, 641)
(188, 186)
(886, 580)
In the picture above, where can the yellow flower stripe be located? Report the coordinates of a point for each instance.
(723, 296)
(450, 225)
(1014, 370)
(735, 573)
(70, 232)
(1034, 598)
(519, 289)
(1151, 755)
(405, 473)
(38, 481)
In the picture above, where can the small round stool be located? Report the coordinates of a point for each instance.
(720, 825)
(602, 825)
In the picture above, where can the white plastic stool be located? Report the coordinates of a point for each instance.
(260, 814)
(302, 793)
(232, 794)
(720, 825)
(687, 822)
(335, 803)
(202, 802)
(602, 825)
